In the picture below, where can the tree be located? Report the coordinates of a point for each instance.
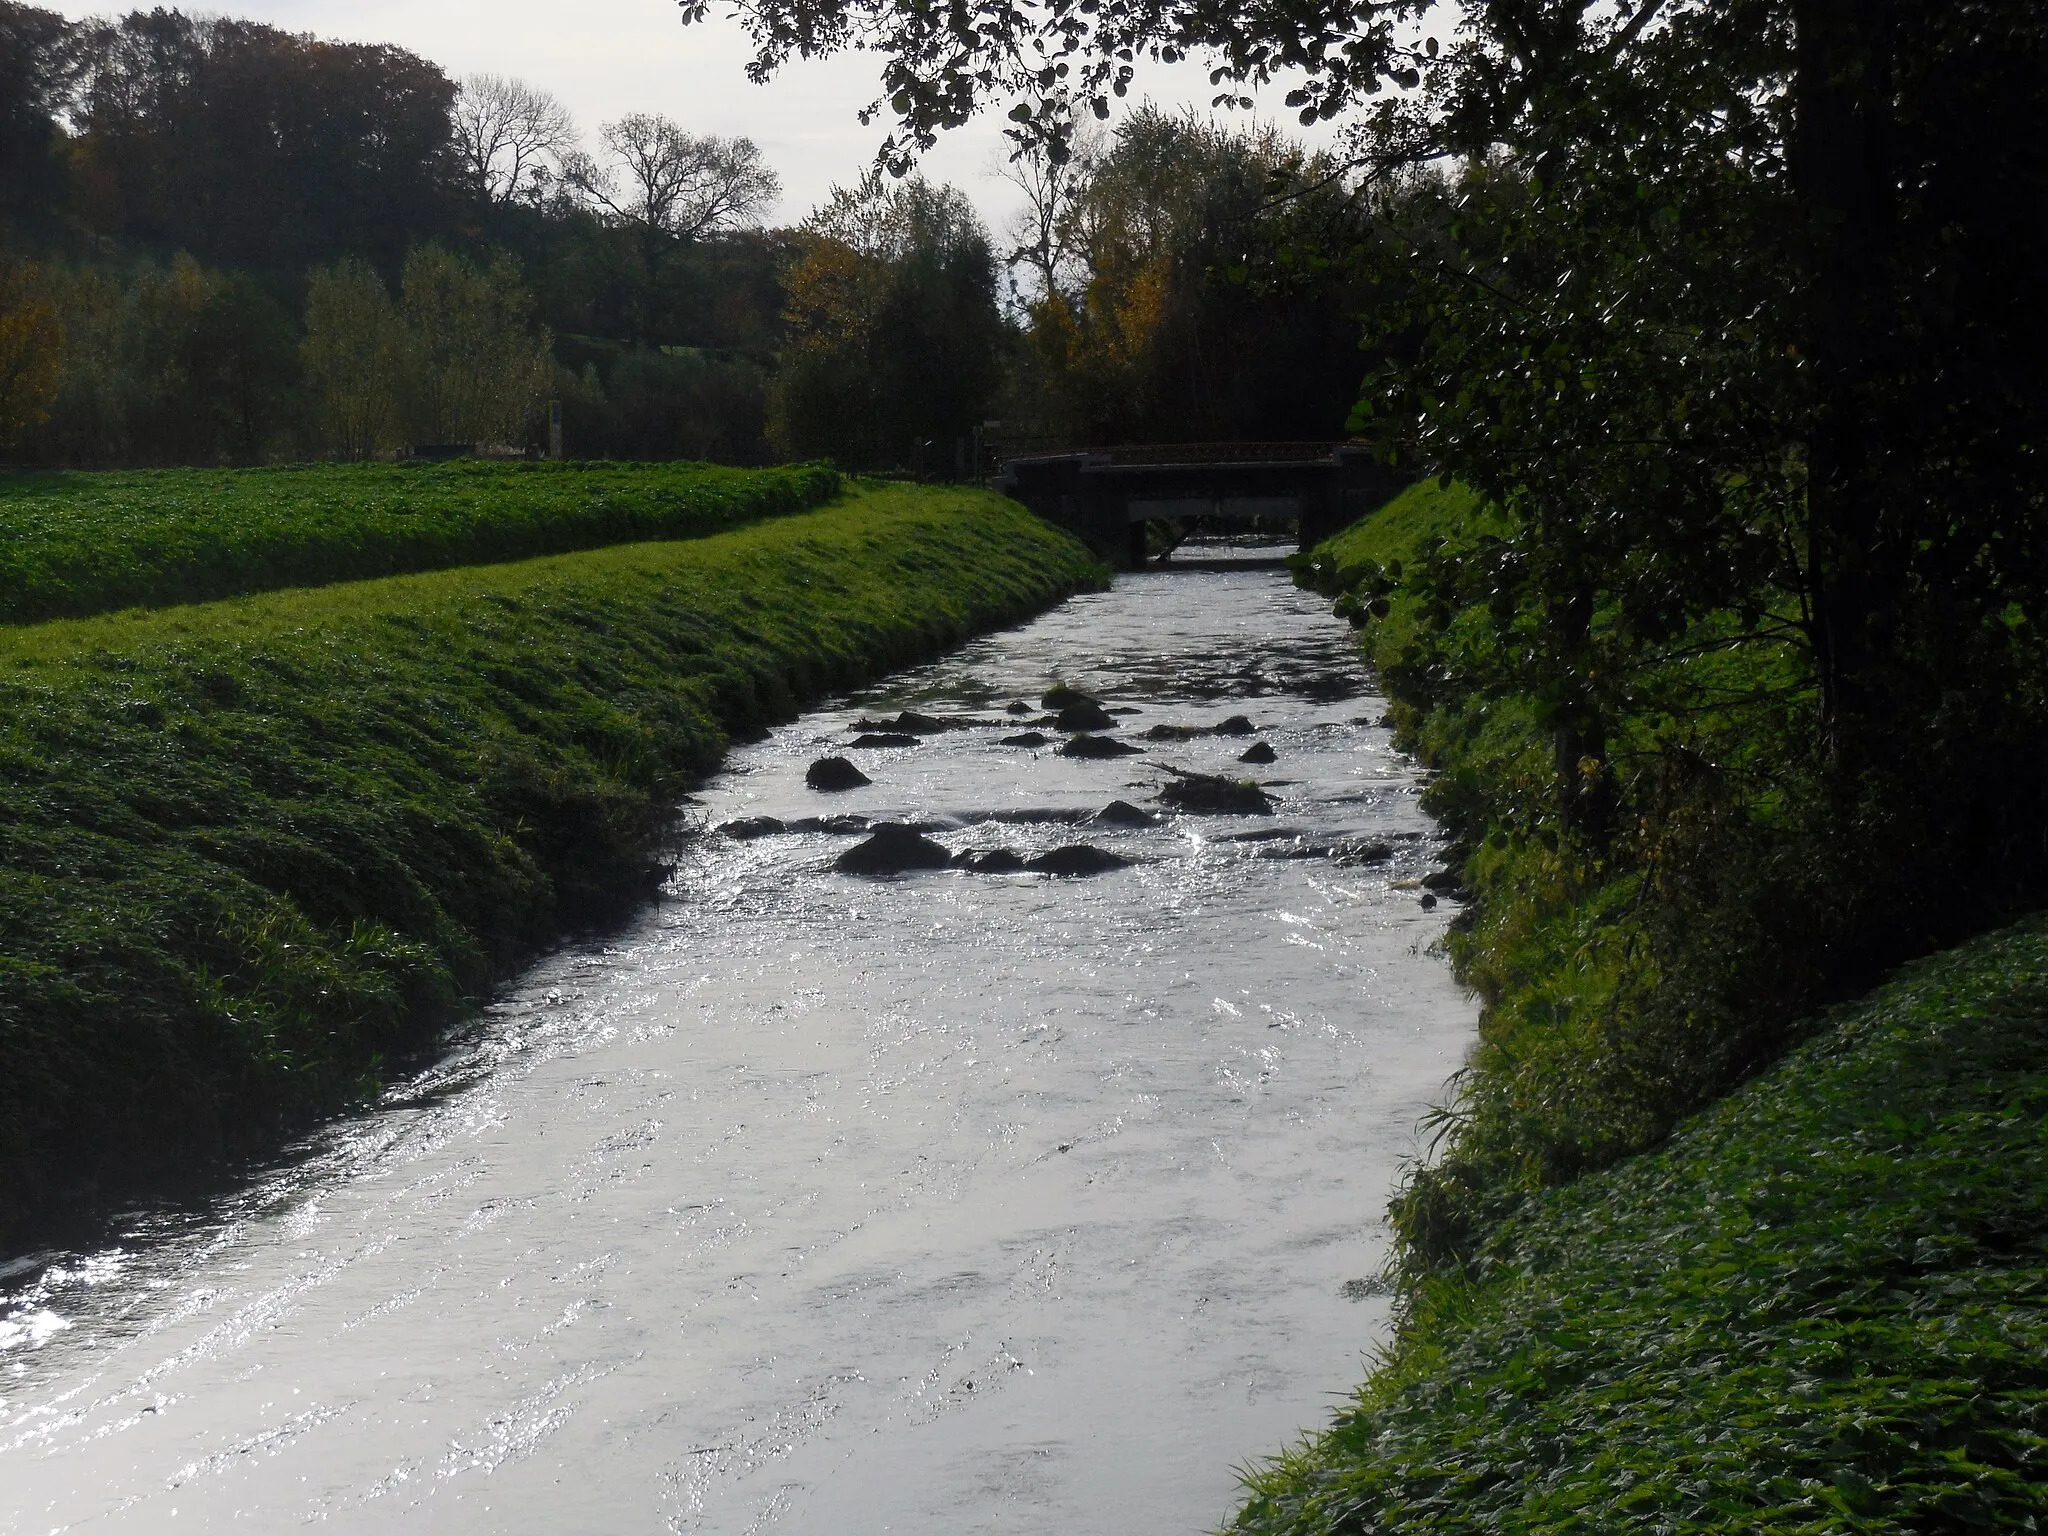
(38, 71)
(474, 370)
(1044, 235)
(241, 363)
(671, 187)
(31, 351)
(1195, 298)
(354, 354)
(251, 147)
(505, 134)
(895, 338)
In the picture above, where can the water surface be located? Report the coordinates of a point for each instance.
(811, 1203)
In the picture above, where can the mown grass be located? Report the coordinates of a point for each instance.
(248, 846)
(1821, 1306)
(76, 543)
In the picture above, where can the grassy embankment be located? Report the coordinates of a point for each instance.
(76, 543)
(248, 846)
(1818, 1305)
(1821, 1306)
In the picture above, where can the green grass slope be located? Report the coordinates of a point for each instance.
(247, 846)
(1822, 1306)
(76, 543)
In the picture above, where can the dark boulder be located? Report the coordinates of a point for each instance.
(992, 861)
(749, 827)
(1075, 859)
(1026, 739)
(1235, 725)
(1176, 732)
(892, 849)
(1096, 746)
(1206, 794)
(1085, 716)
(834, 773)
(886, 739)
(1428, 900)
(1257, 752)
(1363, 853)
(1121, 813)
(1016, 707)
(839, 826)
(1059, 696)
(910, 722)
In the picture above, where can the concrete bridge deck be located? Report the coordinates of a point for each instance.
(1107, 496)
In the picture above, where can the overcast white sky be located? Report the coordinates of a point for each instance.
(603, 58)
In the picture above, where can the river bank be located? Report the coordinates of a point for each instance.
(250, 848)
(1820, 1307)
(1660, 1272)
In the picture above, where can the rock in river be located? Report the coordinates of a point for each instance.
(892, 849)
(1075, 859)
(1235, 725)
(1026, 739)
(1207, 794)
(1059, 696)
(1257, 752)
(1096, 746)
(838, 826)
(912, 723)
(834, 773)
(992, 861)
(886, 739)
(748, 827)
(1087, 715)
(1121, 813)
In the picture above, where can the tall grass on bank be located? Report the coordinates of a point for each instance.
(76, 543)
(248, 846)
(1822, 1306)
(1631, 975)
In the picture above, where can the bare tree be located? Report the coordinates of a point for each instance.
(1044, 235)
(673, 187)
(506, 132)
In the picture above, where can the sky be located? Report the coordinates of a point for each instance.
(604, 58)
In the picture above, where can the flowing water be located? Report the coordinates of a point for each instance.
(813, 1203)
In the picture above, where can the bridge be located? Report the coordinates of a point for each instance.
(1107, 496)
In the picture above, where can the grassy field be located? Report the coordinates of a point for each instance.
(248, 846)
(1821, 1307)
(73, 544)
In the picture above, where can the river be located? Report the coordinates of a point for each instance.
(814, 1203)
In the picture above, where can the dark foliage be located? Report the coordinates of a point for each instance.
(255, 148)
